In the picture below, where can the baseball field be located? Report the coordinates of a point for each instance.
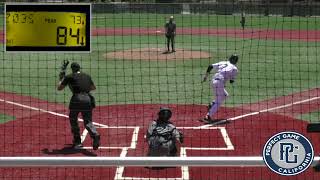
(277, 89)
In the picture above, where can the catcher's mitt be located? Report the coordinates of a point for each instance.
(63, 69)
(181, 139)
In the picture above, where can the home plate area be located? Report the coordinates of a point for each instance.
(113, 138)
(123, 128)
(46, 132)
(131, 142)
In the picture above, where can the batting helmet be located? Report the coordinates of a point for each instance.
(234, 59)
(164, 114)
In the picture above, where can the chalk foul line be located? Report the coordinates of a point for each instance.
(46, 111)
(266, 110)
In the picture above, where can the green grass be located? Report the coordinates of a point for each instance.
(214, 21)
(313, 117)
(267, 69)
(5, 118)
(126, 20)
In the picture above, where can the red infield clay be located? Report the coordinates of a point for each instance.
(40, 133)
(11, 108)
(305, 102)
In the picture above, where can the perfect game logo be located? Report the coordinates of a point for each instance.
(288, 153)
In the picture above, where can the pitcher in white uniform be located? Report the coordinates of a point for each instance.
(225, 71)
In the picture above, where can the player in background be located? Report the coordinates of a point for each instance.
(162, 135)
(170, 29)
(225, 71)
(243, 20)
(81, 101)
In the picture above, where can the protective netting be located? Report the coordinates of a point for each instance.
(276, 88)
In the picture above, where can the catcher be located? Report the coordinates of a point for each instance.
(162, 135)
(170, 29)
(81, 102)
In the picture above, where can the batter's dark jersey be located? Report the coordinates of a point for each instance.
(80, 84)
(170, 28)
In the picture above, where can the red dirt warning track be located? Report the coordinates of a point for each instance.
(45, 132)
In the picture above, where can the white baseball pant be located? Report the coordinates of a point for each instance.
(221, 94)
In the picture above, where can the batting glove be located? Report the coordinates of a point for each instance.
(205, 77)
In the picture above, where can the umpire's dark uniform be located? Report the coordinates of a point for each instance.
(170, 29)
(81, 101)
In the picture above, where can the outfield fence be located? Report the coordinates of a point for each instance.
(285, 9)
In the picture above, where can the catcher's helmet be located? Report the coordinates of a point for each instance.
(164, 114)
(234, 59)
(75, 67)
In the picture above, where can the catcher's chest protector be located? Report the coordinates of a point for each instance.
(163, 130)
(161, 141)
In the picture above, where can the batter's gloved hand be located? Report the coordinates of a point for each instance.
(231, 81)
(205, 77)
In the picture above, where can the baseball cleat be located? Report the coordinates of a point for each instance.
(77, 146)
(206, 120)
(215, 122)
(76, 143)
(210, 105)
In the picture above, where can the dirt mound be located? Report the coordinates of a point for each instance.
(156, 54)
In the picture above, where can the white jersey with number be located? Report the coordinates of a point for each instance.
(225, 71)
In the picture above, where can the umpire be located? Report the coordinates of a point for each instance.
(170, 29)
(81, 101)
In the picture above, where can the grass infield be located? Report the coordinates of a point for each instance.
(6, 118)
(215, 21)
(313, 117)
(268, 68)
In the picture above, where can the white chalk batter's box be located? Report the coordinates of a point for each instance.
(113, 137)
